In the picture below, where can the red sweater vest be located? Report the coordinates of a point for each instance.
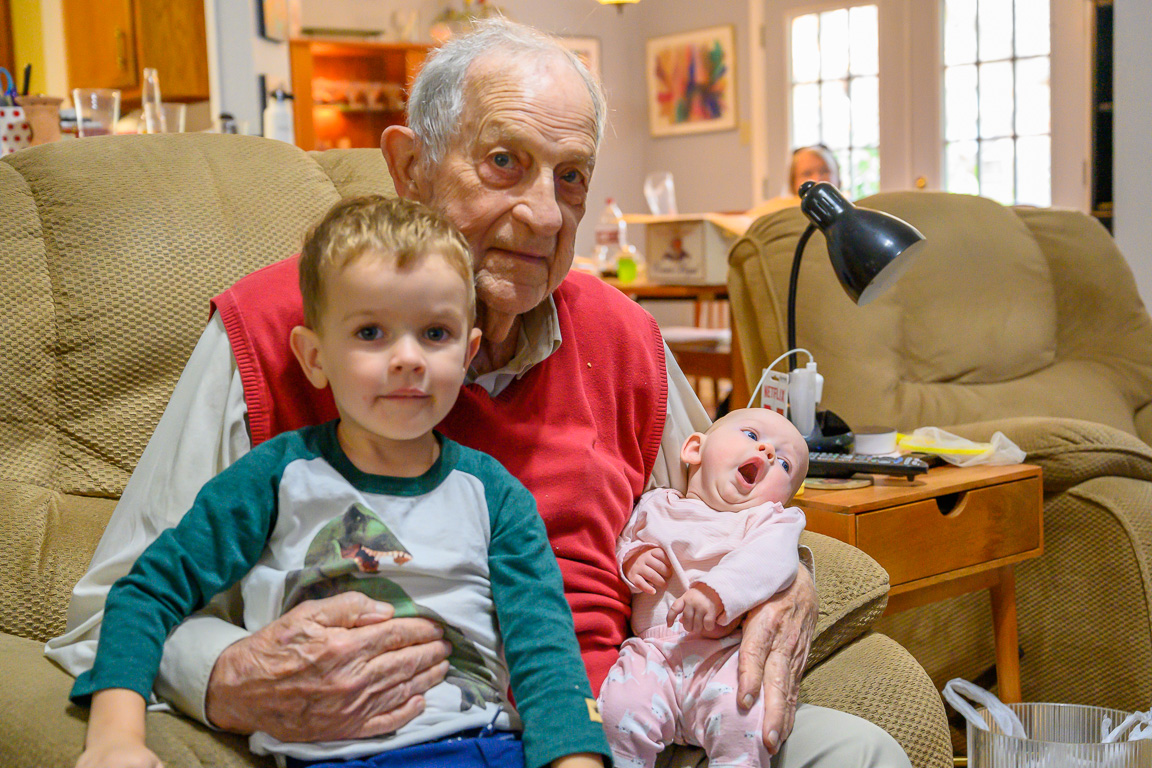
(581, 430)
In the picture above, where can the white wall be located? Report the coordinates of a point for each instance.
(1132, 175)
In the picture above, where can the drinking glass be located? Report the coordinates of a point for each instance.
(97, 110)
(660, 193)
(169, 118)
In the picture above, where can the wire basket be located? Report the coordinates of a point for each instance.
(1062, 736)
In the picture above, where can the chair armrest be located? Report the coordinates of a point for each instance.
(1069, 451)
(853, 591)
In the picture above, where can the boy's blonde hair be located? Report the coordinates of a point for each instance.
(398, 229)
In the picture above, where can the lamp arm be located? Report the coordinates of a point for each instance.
(792, 280)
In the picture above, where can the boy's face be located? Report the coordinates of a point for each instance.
(394, 345)
(748, 457)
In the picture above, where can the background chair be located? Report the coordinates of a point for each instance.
(1022, 320)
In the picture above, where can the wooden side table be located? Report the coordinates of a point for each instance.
(951, 531)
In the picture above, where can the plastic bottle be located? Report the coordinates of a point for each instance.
(278, 121)
(153, 116)
(611, 238)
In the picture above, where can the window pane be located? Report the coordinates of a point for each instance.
(960, 167)
(997, 169)
(835, 113)
(1032, 37)
(1034, 170)
(865, 58)
(805, 115)
(1033, 97)
(959, 32)
(995, 17)
(865, 172)
(834, 44)
(996, 102)
(961, 107)
(865, 94)
(805, 49)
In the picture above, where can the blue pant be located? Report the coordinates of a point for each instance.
(498, 749)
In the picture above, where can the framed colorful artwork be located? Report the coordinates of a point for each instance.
(272, 19)
(692, 81)
(587, 49)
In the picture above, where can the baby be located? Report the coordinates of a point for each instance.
(695, 564)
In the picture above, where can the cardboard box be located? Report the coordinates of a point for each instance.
(690, 249)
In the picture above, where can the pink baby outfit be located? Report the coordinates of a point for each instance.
(669, 686)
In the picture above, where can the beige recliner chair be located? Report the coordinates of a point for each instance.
(111, 248)
(1022, 320)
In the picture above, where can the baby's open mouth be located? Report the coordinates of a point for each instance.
(750, 471)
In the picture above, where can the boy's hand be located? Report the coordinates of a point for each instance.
(579, 760)
(126, 754)
(699, 609)
(116, 732)
(648, 570)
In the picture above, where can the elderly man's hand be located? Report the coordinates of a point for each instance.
(773, 651)
(337, 668)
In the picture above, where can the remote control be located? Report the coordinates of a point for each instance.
(848, 464)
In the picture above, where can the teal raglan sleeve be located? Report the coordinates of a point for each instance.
(549, 681)
(215, 544)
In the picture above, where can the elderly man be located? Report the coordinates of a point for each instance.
(572, 390)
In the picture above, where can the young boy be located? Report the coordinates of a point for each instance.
(696, 563)
(376, 502)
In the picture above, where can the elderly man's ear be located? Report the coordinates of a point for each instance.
(399, 146)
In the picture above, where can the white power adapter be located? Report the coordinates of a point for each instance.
(805, 388)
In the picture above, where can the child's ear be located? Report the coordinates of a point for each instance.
(306, 346)
(473, 347)
(690, 451)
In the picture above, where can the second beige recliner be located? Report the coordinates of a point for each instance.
(1022, 320)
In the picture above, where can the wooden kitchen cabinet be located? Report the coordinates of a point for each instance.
(347, 92)
(110, 42)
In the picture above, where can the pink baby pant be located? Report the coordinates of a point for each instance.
(668, 687)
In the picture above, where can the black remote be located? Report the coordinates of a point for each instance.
(848, 464)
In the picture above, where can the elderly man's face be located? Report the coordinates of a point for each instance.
(515, 179)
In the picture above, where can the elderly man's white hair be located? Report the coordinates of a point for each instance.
(437, 96)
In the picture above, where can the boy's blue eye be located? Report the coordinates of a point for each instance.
(436, 334)
(369, 333)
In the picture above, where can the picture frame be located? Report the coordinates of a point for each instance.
(272, 20)
(691, 81)
(588, 51)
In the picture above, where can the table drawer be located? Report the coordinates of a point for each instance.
(953, 531)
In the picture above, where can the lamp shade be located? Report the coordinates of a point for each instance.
(869, 249)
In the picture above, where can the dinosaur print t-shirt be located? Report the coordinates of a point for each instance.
(461, 545)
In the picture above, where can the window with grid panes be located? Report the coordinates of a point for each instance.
(835, 91)
(997, 100)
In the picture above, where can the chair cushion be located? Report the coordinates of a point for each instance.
(41, 728)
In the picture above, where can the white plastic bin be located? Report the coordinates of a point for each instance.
(1060, 736)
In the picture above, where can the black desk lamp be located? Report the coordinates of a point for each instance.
(869, 250)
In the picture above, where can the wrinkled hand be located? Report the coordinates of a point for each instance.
(648, 570)
(337, 668)
(701, 608)
(126, 754)
(773, 651)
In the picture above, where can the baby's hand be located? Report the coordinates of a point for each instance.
(648, 570)
(700, 606)
(120, 754)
